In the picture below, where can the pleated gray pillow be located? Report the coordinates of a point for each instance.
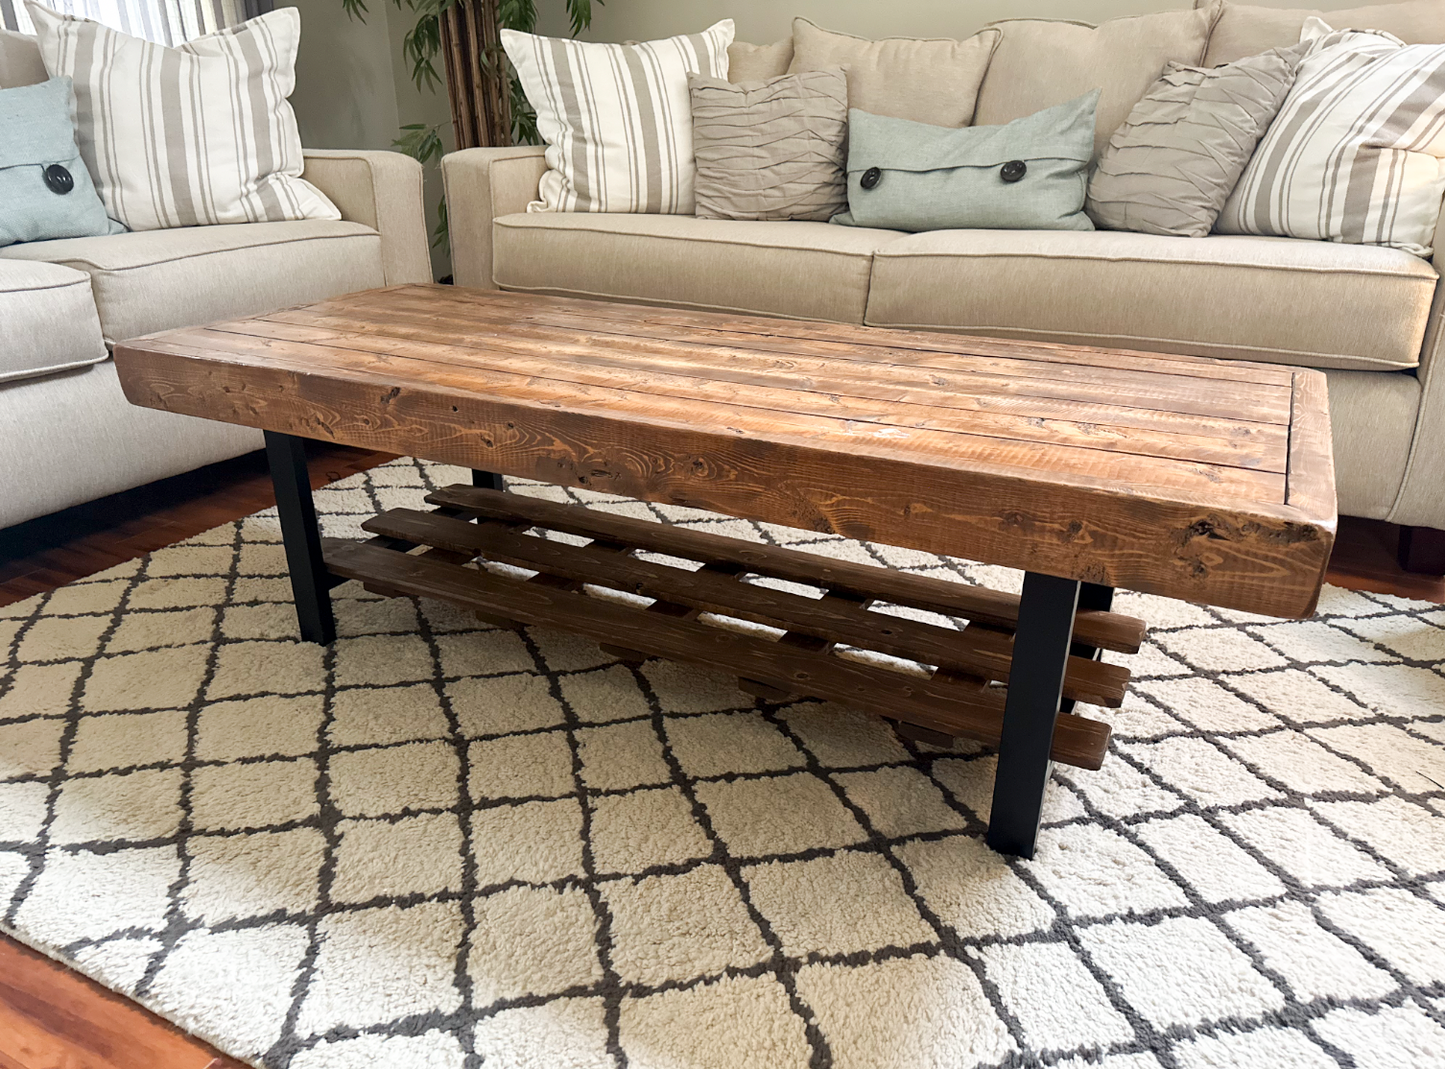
(1171, 167)
(771, 149)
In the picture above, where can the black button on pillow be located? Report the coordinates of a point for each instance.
(871, 178)
(1013, 171)
(59, 179)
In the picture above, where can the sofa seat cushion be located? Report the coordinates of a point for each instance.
(800, 270)
(1309, 303)
(49, 320)
(161, 279)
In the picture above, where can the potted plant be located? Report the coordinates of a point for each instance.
(487, 103)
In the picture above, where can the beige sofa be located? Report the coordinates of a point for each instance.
(67, 434)
(1370, 317)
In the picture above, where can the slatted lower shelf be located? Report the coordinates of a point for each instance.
(953, 682)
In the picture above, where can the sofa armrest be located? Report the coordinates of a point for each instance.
(1421, 500)
(383, 191)
(482, 184)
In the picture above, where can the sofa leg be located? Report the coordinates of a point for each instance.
(1422, 550)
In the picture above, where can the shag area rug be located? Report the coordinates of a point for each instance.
(437, 845)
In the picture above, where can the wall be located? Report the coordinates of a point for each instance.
(761, 21)
(354, 88)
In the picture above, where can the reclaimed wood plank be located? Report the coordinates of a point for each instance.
(755, 329)
(894, 401)
(989, 376)
(263, 359)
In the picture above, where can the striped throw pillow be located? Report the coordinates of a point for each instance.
(192, 135)
(617, 119)
(1357, 152)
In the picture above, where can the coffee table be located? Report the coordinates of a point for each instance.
(1090, 469)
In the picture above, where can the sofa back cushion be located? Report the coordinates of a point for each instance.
(933, 81)
(20, 62)
(1245, 30)
(1040, 63)
(758, 63)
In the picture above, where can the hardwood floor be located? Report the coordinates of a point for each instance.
(54, 1018)
(54, 550)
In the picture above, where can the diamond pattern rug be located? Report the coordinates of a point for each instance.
(437, 845)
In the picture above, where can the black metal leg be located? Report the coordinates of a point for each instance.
(310, 582)
(1098, 598)
(1036, 685)
(487, 480)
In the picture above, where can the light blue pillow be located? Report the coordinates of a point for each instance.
(1030, 174)
(45, 190)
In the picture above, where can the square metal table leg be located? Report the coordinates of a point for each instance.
(310, 582)
(1098, 598)
(1035, 689)
(487, 480)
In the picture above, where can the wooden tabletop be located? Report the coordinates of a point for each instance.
(1207, 480)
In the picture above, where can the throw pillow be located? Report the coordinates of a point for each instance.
(1029, 174)
(617, 119)
(773, 149)
(929, 81)
(758, 63)
(1040, 63)
(1246, 30)
(187, 136)
(44, 186)
(20, 62)
(1356, 152)
(1170, 168)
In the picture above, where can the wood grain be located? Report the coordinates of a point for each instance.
(1190, 478)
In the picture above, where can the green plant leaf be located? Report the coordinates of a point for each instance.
(441, 237)
(421, 142)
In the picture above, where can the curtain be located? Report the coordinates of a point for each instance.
(168, 22)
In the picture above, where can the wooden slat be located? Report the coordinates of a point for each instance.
(979, 653)
(952, 710)
(804, 641)
(671, 608)
(1107, 630)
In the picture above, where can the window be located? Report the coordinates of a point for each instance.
(169, 22)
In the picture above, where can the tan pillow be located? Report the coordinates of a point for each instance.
(932, 80)
(1171, 167)
(773, 149)
(20, 62)
(1040, 63)
(1243, 30)
(758, 63)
